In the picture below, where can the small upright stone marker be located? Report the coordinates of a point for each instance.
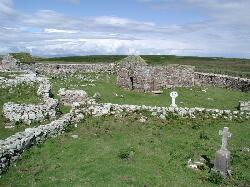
(173, 95)
(222, 156)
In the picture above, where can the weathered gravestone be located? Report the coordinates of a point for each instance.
(222, 156)
(173, 95)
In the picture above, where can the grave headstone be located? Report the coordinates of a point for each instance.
(173, 95)
(222, 156)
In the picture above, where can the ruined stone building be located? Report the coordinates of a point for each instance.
(8, 63)
(135, 74)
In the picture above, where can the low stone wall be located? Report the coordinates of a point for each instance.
(96, 109)
(63, 69)
(244, 106)
(29, 79)
(222, 81)
(12, 147)
(27, 113)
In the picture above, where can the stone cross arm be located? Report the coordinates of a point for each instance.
(225, 136)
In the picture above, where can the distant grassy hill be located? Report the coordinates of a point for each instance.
(229, 66)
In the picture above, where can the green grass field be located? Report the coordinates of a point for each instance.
(124, 152)
(229, 66)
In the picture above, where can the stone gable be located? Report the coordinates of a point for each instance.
(135, 74)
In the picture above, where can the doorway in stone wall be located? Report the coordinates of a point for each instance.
(132, 82)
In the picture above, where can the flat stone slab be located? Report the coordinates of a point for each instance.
(157, 92)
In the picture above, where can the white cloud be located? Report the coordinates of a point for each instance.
(47, 32)
(60, 31)
(6, 7)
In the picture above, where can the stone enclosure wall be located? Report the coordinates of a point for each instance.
(99, 109)
(28, 113)
(222, 81)
(12, 147)
(63, 69)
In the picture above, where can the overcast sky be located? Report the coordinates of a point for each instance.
(83, 27)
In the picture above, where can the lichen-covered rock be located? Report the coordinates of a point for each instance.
(223, 81)
(9, 63)
(68, 97)
(244, 105)
(27, 113)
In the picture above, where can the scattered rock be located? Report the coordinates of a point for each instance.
(143, 119)
(74, 136)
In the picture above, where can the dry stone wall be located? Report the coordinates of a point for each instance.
(64, 69)
(222, 81)
(99, 109)
(12, 147)
(27, 113)
(28, 79)
(244, 105)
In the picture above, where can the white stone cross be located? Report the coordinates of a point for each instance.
(173, 95)
(225, 135)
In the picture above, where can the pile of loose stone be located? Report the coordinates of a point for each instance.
(68, 97)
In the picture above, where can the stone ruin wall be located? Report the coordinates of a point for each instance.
(244, 105)
(157, 79)
(222, 81)
(69, 97)
(149, 78)
(12, 147)
(63, 69)
(28, 113)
